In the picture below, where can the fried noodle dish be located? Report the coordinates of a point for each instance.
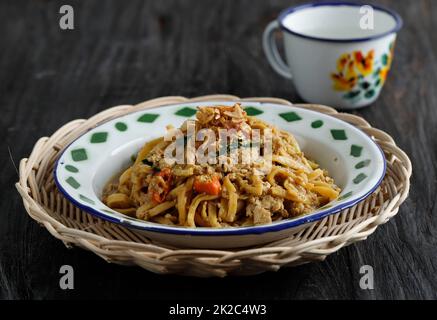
(226, 193)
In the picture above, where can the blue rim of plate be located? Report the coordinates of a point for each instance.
(286, 12)
(254, 230)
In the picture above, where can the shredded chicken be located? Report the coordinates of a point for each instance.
(261, 210)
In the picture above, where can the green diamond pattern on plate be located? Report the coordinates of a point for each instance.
(290, 116)
(363, 164)
(148, 117)
(356, 151)
(86, 199)
(186, 112)
(345, 196)
(79, 154)
(317, 124)
(252, 111)
(99, 137)
(71, 168)
(359, 178)
(121, 126)
(72, 182)
(339, 134)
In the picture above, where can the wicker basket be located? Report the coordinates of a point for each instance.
(120, 245)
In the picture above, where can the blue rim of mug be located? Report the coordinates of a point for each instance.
(288, 11)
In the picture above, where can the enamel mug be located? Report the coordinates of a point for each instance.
(338, 54)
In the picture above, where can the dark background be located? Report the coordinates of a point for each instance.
(124, 52)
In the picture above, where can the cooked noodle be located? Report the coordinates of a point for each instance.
(226, 193)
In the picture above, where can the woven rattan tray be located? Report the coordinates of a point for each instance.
(119, 245)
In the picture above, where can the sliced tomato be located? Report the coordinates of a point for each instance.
(208, 185)
(163, 185)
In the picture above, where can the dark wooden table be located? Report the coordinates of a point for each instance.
(129, 51)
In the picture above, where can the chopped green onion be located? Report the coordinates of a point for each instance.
(147, 162)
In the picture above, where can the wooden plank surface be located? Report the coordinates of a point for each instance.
(123, 52)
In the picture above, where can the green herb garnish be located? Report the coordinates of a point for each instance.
(151, 164)
(147, 162)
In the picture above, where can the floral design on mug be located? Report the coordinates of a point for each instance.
(360, 75)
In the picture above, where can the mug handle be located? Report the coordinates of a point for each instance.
(272, 53)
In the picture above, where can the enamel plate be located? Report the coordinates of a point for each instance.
(351, 157)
